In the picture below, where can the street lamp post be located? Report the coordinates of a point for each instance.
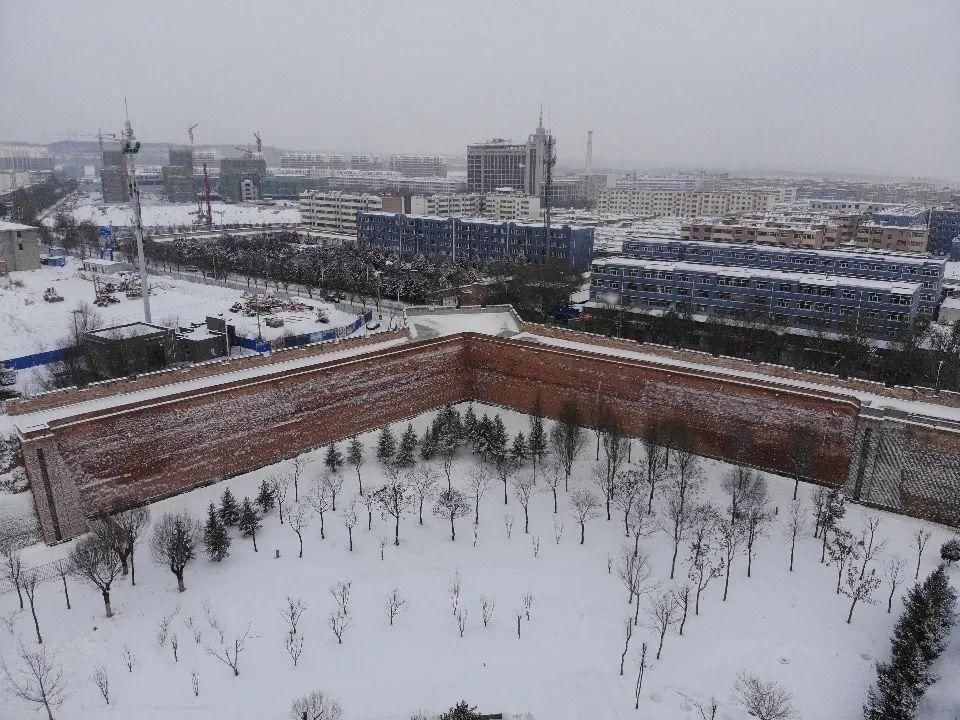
(939, 368)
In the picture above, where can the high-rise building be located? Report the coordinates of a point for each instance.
(241, 178)
(113, 177)
(25, 157)
(178, 181)
(944, 229)
(504, 164)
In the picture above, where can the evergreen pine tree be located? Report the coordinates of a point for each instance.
(386, 445)
(406, 457)
(470, 426)
(333, 458)
(537, 443)
(498, 439)
(266, 498)
(460, 711)
(229, 510)
(216, 539)
(485, 433)
(249, 521)
(518, 450)
(427, 447)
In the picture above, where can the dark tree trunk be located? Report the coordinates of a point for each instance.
(180, 586)
(582, 531)
(133, 570)
(350, 533)
(106, 602)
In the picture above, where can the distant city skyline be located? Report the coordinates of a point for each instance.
(863, 87)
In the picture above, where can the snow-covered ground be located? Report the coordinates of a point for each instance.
(158, 214)
(782, 626)
(28, 324)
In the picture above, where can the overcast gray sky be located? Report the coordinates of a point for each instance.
(847, 85)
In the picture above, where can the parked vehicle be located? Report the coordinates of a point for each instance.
(373, 325)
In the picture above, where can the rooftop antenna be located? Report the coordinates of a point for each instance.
(131, 146)
(540, 124)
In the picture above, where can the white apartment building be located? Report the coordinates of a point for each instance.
(684, 203)
(447, 205)
(419, 165)
(335, 212)
(310, 160)
(391, 181)
(511, 206)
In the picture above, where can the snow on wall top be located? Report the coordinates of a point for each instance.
(428, 322)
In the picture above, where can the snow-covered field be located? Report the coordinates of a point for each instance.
(158, 214)
(782, 626)
(28, 324)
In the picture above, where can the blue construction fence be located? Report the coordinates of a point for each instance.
(262, 346)
(42, 358)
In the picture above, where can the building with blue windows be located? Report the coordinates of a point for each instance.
(927, 272)
(944, 229)
(800, 300)
(484, 240)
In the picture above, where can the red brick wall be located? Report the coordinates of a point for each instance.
(127, 458)
(717, 408)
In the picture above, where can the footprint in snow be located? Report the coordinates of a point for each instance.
(784, 661)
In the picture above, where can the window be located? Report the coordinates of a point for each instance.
(703, 294)
(874, 297)
(784, 287)
(19, 245)
(848, 294)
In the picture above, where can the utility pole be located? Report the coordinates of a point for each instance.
(131, 146)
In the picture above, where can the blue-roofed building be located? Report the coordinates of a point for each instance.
(926, 272)
(800, 300)
(473, 239)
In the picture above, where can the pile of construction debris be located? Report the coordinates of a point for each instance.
(267, 304)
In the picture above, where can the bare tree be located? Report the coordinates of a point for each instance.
(633, 569)
(298, 518)
(626, 643)
(333, 481)
(122, 532)
(681, 596)
(655, 457)
(756, 518)
(553, 476)
(800, 452)
(763, 700)
(860, 588)
(63, 569)
(350, 520)
(229, 652)
(627, 495)
(293, 612)
(894, 575)
(615, 449)
(681, 493)
(339, 622)
(297, 466)
(662, 612)
(506, 466)
(174, 542)
(129, 659)
(451, 504)
(705, 561)
(319, 499)
(93, 562)
(524, 488)
(462, 620)
(527, 604)
(742, 484)
(30, 580)
(797, 519)
(13, 570)
(730, 536)
(567, 438)
(340, 592)
(478, 482)
(39, 679)
(920, 539)
(486, 609)
(642, 667)
(584, 505)
(316, 706)
(423, 484)
(395, 605)
(369, 502)
(868, 541)
(819, 501)
(394, 498)
(102, 681)
(843, 548)
(281, 489)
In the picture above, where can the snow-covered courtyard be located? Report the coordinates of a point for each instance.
(787, 627)
(158, 214)
(28, 324)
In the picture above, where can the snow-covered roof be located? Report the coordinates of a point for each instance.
(6, 225)
(905, 288)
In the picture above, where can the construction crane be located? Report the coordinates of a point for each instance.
(256, 135)
(190, 129)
